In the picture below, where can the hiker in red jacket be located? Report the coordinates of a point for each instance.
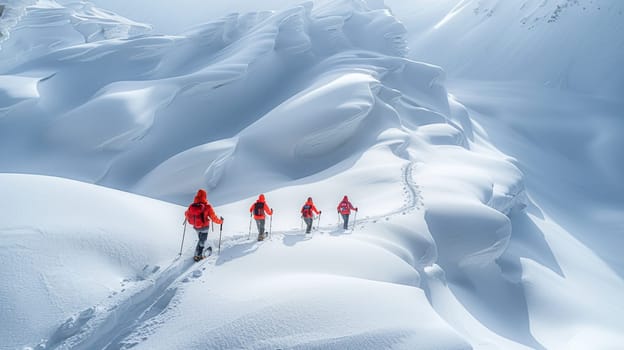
(344, 208)
(307, 213)
(199, 214)
(259, 209)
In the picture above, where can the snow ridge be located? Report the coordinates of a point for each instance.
(33, 28)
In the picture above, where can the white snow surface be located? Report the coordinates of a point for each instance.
(575, 45)
(490, 210)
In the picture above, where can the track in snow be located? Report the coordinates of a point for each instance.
(108, 326)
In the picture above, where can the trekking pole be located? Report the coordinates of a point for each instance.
(212, 223)
(183, 234)
(249, 236)
(318, 224)
(354, 221)
(271, 226)
(220, 232)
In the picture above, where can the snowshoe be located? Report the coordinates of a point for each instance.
(207, 253)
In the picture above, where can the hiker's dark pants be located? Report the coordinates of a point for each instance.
(308, 222)
(260, 223)
(345, 217)
(202, 235)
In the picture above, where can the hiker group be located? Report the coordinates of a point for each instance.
(200, 213)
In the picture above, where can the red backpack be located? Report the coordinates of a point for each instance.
(197, 214)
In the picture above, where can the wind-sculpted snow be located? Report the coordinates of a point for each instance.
(316, 100)
(32, 28)
(218, 79)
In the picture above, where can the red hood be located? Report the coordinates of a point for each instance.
(200, 197)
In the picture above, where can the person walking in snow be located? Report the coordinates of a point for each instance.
(307, 213)
(344, 208)
(260, 209)
(199, 214)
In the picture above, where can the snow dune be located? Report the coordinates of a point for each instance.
(449, 250)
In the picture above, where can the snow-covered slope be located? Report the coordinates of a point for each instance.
(66, 246)
(188, 13)
(138, 92)
(32, 28)
(569, 44)
(449, 250)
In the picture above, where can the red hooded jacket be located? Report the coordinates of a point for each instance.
(263, 208)
(308, 209)
(345, 207)
(200, 212)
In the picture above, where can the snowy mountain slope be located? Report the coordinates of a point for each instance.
(313, 100)
(568, 44)
(188, 13)
(33, 28)
(66, 246)
(172, 92)
(560, 43)
(569, 145)
(564, 136)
